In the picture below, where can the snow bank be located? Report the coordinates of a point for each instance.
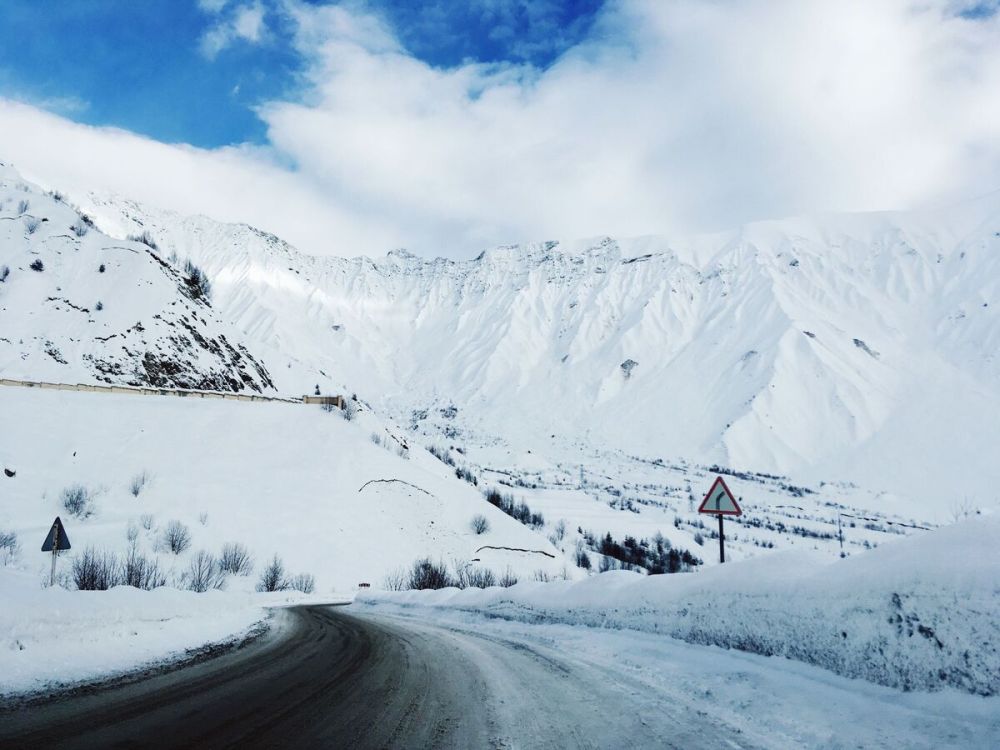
(54, 637)
(920, 614)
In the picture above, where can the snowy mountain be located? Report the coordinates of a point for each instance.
(79, 306)
(850, 347)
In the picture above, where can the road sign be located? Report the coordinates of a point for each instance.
(720, 501)
(56, 541)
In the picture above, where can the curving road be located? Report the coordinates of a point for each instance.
(329, 678)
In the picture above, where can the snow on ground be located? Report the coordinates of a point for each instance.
(285, 479)
(53, 637)
(920, 614)
(764, 702)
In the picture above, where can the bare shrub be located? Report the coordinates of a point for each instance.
(962, 509)
(480, 524)
(9, 547)
(22, 207)
(145, 238)
(466, 474)
(426, 574)
(140, 571)
(304, 582)
(474, 578)
(396, 580)
(131, 532)
(176, 537)
(350, 410)
(78, 501)
(96, 570)
(31, 224)
(138, 483)
(508, 578)
(146, 520)
(235, 559)
(560, 529)
(79, 228)
(203, 518)
(4, 273)
(541, 576)
(203, 573)
(37, 265)
(441, 454)
(198, 285)
(273, 577)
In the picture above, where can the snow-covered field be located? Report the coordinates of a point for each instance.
(285, 479)
(55, 638)
(920, 614)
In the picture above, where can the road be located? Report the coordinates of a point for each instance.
(330, 678)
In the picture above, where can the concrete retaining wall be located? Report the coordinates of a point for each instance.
(147, 391)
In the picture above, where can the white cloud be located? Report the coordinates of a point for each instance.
(245, 23)
(671, 117)
(212, 6)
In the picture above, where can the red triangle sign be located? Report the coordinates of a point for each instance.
(720, 501)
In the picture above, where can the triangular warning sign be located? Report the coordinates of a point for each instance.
(57, 539)
(720, 501)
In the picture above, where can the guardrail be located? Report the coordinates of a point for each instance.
(337, 401)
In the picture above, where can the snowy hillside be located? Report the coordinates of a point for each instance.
(79, 306)
(278, 478)
(854, 347)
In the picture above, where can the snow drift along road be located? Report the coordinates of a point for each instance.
(919, 614)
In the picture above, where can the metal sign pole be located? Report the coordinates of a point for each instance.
(722, 544)
(55, 552)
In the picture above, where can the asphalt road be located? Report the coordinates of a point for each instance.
(329, 678)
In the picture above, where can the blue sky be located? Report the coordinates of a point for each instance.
(142, 66)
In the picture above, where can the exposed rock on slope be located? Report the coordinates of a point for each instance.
(79, 306)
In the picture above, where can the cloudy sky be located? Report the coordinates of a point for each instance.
(451, 125)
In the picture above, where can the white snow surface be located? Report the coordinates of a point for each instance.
(285, 479)
(57, 638)
(840, 347)
(919, 614)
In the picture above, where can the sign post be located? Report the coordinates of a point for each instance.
(55, 542)
(720, 502)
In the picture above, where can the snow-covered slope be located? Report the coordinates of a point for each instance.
(280, 478)
(79, 306)
(854, 347)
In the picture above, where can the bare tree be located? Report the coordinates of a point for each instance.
(273, 577)
(204, 573)
(176, 537)
(235, 559)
